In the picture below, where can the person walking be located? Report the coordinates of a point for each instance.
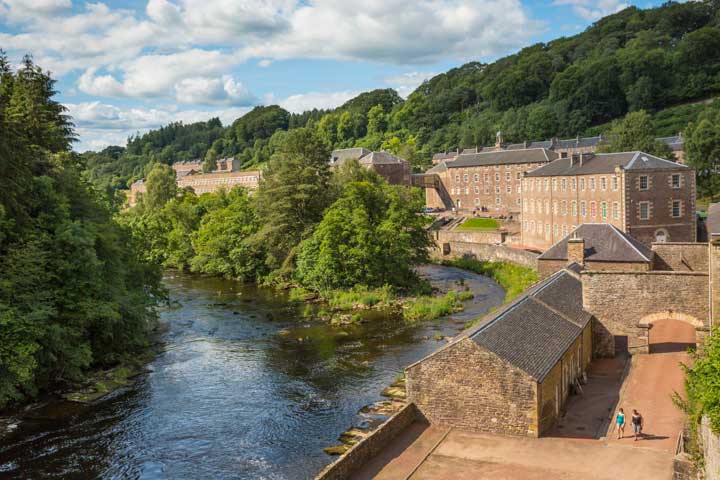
(620, 420)
(637, 423)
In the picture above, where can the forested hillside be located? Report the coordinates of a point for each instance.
(633, 60)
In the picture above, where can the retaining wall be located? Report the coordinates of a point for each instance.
(711, 450)
(488, 253)
(370, 446)
(681, 257)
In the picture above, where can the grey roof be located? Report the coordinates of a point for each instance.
(339, 156)
(439, 168)
(580, 142)
(534, 331)
(604, 163)
(377, 158)
(676, 142)
(503, 157)
(713, 218)
(603, 243)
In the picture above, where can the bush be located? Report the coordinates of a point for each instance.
(513, 278)
(430, 308)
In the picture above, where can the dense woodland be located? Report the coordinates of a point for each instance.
(74, 293)
(661, 60)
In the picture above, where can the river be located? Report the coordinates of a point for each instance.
(246, 386)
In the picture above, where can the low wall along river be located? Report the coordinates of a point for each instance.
(246, 387)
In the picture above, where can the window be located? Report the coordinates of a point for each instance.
(519, 175)
(532, 226)
(517, 201)
(477, 201)
(573, 184)
(555, 207)
(603, 210)
(644, 210)
(457, 178)
(593, 209)
(616, 210)
(539, 184)
(547, 185)
(539, 206)
(563, 154)
(547, 229)
(676, 208)
(466, 178)
(564, 229)
(564, 207)
(508, 189)
(563, 184)
(615, 183)
(675, 180)
(582, 184)
(497, 189)
(644, 182)
(476, 177)
(467, 190)
(531, 185)
(573, 206)
(508, 177)
(497, 167)
(487, 190)
(592, 183)
(518, 188)
(477, 190)
(497, 177)
(507, 166)
(603, 183)
(661, 236)
(547, 207)
(525, 225)
(539, 228)
(555, 229)
(554, 184)
(497, 200)
(487, 177)
(583, 209)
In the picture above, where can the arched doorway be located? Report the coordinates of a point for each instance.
(668, 335)
(661, 236)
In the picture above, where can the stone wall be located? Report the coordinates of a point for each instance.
(548, 267)
(626, 303)
(370, 446)
(711, 450)
(491, 237)
(488, 253)
(715, 278)
(681, 257)
(465, 386)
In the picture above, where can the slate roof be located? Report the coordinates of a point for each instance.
(676, 142)
(534, 331)
(377, 158)
(439, 168)
(604, 163)
(713, 218)
(339, 156)
(503, 157)
(603, 243)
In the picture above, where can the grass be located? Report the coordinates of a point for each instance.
(479, 224)
(359, 297)
(430, 308)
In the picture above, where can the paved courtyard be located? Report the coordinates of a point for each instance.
(583, 445)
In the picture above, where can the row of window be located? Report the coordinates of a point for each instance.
(561, 208)
(486, 190)
(498, 201)
(218, 181)
(645, 209)
(557, 229)
(590, 183)
(486, 177)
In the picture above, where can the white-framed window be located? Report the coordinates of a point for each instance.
(476, 177)
(644, 210)
(603, 183)
(477, 202)
(555, 229)
(517, 188)
(508, 189)
(583, 209)
(539, 184)
(508, 176)
(497, 167)
(519, 175)
(467, 190)
(531, 205)
(517, 201)
(582, 184)
(563, 209)
(486, 177)
(487, 190)
(592, 183)
(675, 180)
(563, 184)
(457, 178)
(497, 189)
(466, 178)
(497, 177)
(593, 209)
(477, 190)
(616, 210)
(564, 230)
(497, 200)
(676, 208)
(555, 207)
(615, 183)
(573, 208)
(554, 184)
(539, 228)
(539, 206)
(573, 184)
(547, 230)
(603, 209)
(547, 207)
(547, 185)
(644, 182)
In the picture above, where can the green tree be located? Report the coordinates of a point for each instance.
(210, 162)
(161, 186)
(372, 235)
(636, 132)
(702, 150)
(377, 121)
(293, 193)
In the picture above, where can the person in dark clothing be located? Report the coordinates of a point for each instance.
(637, 423)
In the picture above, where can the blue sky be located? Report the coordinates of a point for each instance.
(124, 67)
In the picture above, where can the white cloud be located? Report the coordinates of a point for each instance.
(213, 91)
(264, 63)
(307, 101)
(406, 83)
(593, 9)
(22, 10)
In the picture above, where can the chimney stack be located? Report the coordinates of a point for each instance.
(576, 250)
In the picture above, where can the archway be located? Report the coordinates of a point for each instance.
(671, 335)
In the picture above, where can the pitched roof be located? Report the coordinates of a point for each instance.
(604, 163)
(713, 218)
(503, 157)
(377, 158)
(340, 155)
(603, 243)
(439, 168)
(676, 142)
(534, 331)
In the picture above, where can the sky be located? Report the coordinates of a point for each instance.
(129, 66)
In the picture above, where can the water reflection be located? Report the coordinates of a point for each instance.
(247, 387)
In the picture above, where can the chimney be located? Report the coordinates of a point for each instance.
(581, 158)
(554, 141)
(576, 250)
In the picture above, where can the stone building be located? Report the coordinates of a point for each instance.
(189, 174)
(596, 246)
(563, 147)
(482, 182)
(511, 374)
(648, 197)
(392, 168)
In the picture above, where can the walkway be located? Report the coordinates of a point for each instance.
(462, 455)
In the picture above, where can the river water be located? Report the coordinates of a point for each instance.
(246, 386)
